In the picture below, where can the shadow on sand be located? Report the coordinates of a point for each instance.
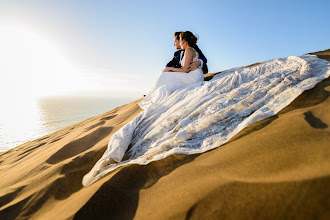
(118, 198)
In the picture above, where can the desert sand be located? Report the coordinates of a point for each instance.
(273, 169)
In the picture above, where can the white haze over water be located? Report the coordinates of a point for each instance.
(28, 119)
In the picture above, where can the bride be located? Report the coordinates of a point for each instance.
(170, 80)
(173, 78)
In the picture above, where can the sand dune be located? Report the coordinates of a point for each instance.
(276, 168)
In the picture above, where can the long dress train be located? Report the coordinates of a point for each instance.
(166, 85)
(205, 115)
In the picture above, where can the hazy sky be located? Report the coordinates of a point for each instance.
(121, 47)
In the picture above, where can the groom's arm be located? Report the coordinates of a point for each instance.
(202, 59)
(201, 56)
(172, 63)
(194, 65)
(200, 62)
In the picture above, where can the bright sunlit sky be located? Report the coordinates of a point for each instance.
(119, 48)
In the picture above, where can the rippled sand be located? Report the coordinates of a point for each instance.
(278, 168)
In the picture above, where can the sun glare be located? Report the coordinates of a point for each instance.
(31, 65)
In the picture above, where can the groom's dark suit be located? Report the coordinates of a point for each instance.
(176, 61)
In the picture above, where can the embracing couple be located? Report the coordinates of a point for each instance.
(186, 68)
(178, 55)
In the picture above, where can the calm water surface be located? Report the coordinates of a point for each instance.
(25, 120)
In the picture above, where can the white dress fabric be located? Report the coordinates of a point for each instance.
(205, 115)
(168, 82)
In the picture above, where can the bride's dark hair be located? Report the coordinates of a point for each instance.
(192, 40)
(189, 37)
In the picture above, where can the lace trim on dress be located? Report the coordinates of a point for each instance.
(195, 58)
(205, 115)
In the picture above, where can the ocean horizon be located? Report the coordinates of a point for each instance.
(23, 121)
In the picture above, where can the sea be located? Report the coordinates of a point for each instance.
(25, 120)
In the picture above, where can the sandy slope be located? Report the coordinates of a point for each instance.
(278, 168)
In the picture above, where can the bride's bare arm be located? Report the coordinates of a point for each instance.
(188, 57)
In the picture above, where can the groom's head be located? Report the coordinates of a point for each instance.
(177, 40)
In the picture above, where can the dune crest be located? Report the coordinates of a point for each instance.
(276, 167)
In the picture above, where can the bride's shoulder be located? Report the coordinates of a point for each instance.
(190, 50)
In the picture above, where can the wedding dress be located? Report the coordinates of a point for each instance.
(205, 115)
(166, 85)
(168, 82)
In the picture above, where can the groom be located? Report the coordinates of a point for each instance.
(175, 62)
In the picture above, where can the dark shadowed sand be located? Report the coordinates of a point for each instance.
(276, 168)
